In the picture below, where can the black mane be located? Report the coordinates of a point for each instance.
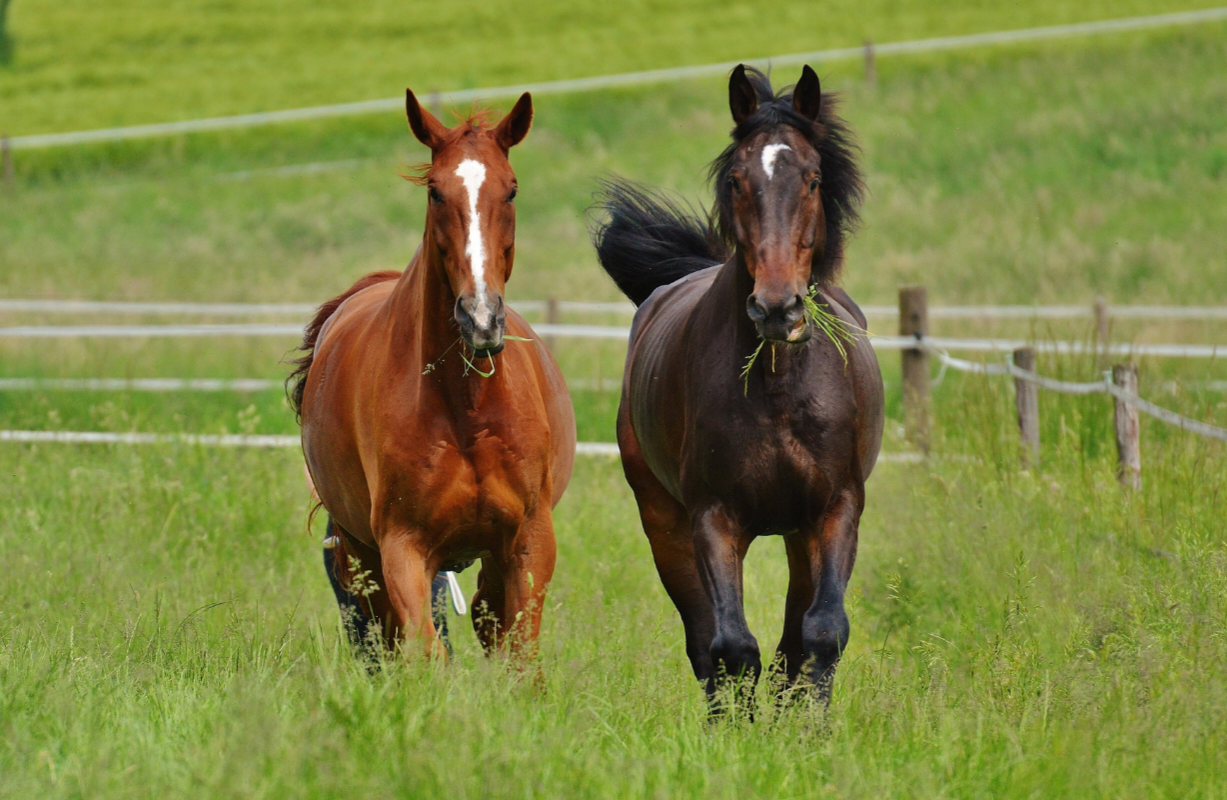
(842, 189)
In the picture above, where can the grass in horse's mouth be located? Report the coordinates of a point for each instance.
(468, 363)
(840, 333)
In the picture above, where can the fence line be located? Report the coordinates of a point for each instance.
(263, 384)
(212, 384)
(15, 305)
(250, 329)
(623, 79)
(148, 331)
(276, 441)
(1060, 312)
(916, 346)
(1164, 415)
(139, 384)
(1105, 386)
(156, 308)
(905, 343)
(212, 440)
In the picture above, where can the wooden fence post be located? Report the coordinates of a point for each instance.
(551, 318)
(1027, 400)
(871, 69)
(914, 320)
(1128, 446)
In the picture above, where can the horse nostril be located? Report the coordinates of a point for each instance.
(793, 309)
(463, 318)
(755, 309)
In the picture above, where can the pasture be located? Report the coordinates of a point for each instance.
(165, 625)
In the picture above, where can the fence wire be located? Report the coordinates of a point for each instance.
(1105, 386)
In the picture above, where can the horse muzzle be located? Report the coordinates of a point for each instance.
(482, 323)
(780, 321)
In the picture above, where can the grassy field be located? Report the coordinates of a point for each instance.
(165, 625)
(1047, 174)
(165, 629)
(79, 65)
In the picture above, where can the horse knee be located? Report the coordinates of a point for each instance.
(736, 655)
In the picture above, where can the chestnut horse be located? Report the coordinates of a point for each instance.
(716, 460)
(420, 456)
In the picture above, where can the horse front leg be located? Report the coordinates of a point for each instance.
(410, 621)
(720, 547)
(512, 585)
(790, 654)
(831, 547)
(669, 532)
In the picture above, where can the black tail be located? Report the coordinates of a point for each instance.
(650, 239)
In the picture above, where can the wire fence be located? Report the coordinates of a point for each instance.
(582, 307)
(211, 384)
(1105, 386)
(913, 314)
(211, 440)
(610, 332)
(595, 449)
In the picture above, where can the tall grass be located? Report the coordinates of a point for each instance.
(166, 629)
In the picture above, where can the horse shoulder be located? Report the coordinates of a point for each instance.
(866, 379)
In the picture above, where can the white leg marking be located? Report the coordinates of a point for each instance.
(473, 173)
(769, 154)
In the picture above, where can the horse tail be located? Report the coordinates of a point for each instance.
(651, 239)
(296, 383)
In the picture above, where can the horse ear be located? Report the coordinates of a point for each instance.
(807, 96)
(514, 127)
(743, 100)
(429, 130)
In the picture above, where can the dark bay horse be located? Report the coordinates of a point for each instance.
(419, 455)
(715, 462)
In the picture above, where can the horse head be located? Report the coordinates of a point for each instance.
(772, 201)
(471, 219)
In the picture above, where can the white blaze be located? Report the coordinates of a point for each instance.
(769, 154)
(473, 173)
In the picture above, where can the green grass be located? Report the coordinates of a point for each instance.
(80, 65)
(165, 625)
(166, 629)
(1060, 172)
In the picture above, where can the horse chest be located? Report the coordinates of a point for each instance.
(484, 484)
(775, 463)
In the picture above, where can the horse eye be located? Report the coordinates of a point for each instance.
(814, 183)
(734, 185)
(514, 191)
(435, 197)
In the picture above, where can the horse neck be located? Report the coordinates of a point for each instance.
(422, 306)
(729, 293)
